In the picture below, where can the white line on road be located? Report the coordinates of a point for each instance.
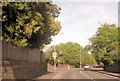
(87, 76)
(58, 75)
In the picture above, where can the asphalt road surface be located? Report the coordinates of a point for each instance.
(83, 75)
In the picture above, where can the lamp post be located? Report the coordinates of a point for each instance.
(80, 58)
(54, 56)
(55, 53)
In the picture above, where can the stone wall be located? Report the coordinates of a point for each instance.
(21, 62)
(0, 59)
(9, 52)
(23, 71)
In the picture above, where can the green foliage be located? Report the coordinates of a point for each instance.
(87, 58)
(69, 53)
(29, 24)
(105, 44)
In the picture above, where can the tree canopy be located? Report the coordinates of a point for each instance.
(105, 44)
(69, 53)
(29, 24)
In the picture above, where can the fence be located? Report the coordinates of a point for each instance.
(115, 69)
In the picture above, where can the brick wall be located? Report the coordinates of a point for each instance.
(66, 66)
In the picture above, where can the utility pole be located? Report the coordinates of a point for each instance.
(55, 53)
(80, 58)
(54, 56)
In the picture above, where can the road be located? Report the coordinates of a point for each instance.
(83, 75)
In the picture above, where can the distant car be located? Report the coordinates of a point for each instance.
(86, 67)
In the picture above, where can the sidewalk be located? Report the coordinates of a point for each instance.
(100, 70)
(110, 73)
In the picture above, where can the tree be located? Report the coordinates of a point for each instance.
(69, 53)
(105, 44)
(29, 24)
(87, 58)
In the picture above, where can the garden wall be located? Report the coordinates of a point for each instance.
(21, 62)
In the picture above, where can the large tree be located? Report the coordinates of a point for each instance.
(29, 24)
(105, 44)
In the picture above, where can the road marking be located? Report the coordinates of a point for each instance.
(57, 76)
(87, 76)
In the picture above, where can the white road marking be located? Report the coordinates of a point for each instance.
(87, 76)
(58, 75)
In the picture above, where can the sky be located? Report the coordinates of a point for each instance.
(81, 19)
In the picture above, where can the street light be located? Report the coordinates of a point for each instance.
(54, 56)
(80, 58)
(55, 53)
(59, 55)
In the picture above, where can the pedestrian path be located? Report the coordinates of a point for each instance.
(100, 70)
(110, 73)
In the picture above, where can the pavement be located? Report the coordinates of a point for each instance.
(110, 73)
(100, 70)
